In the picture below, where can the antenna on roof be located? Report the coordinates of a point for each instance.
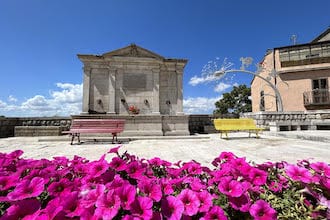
(293, 39)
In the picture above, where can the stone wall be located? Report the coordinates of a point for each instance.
(201, 124)
(7, 126)
(136, 125)
(316, 119)
(32, 125)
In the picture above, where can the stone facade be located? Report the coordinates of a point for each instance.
(132, 76)
(135, 77)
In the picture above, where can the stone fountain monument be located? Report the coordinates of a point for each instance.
(135, 78)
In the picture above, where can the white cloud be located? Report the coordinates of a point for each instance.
(195, 80)
(199, 105)
(11, 98)
(64, 102)
(71, 93)
(222, 87)
(3, 104)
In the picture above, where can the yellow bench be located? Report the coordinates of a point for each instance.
(240, 124)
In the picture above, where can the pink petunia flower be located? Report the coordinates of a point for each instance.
(151, 189)
(241, 166)
(275, 186)
(52, 209)
(135, 170)
(6, 182)
(321, 168)
(192, 167)
(230, 187)
(142, 208)
(326, 182)
(21, 209)
(155, 161)
(114, 150)
(172, 208)
(205, 199)
(190, 201)
(70, 204)
(227, 156)
(241, 203)
(97, 168)
(261, 210)
(27, 189)
(118, 164)
(127, 195)
(56, 188)
(258, 177)
(90, 193)
(298, 174)
(215, 213)
(107, 205)
(166, 186)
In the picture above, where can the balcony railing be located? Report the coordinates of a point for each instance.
(317, 99)
(305, 54)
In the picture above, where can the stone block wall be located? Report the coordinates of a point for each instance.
(27, 124)
(7, 126)
(201, 124)
(316, 118)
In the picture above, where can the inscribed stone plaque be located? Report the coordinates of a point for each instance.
(135, 81)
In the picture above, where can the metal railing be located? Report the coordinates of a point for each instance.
(317, 97)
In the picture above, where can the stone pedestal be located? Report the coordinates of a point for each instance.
(146, 125)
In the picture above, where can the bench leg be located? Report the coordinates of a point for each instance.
(114, 136)
(72, 138)
(257, 134)
(78, 135)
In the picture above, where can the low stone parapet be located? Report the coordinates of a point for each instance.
(31, 131)
(291, 126)
(294, 120)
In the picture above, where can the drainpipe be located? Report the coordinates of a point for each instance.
(275, 80)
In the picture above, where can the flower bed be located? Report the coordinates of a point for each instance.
(133, 188)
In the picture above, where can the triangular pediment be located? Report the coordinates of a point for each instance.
(324, 36)
(133, 51)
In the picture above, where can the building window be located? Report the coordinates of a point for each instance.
(262, 101)
(320, 91)
(320, 84)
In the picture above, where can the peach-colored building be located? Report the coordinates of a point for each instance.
(302, 76)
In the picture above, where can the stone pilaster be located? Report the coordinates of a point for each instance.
(179, 106)
(155, 99)
(86, 89)
(112, 91)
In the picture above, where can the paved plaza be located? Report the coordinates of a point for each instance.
(202, 148)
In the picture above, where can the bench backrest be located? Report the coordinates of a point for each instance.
(117, 124)
(234, 124)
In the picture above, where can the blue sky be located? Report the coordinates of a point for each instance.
(39, 40)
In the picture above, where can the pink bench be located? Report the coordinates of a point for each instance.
(109, 126)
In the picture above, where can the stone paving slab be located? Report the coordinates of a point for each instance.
(203, 149)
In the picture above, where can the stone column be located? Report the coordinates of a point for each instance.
(112, 91)
(179, 106)
(155, 94)
(86, 89)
